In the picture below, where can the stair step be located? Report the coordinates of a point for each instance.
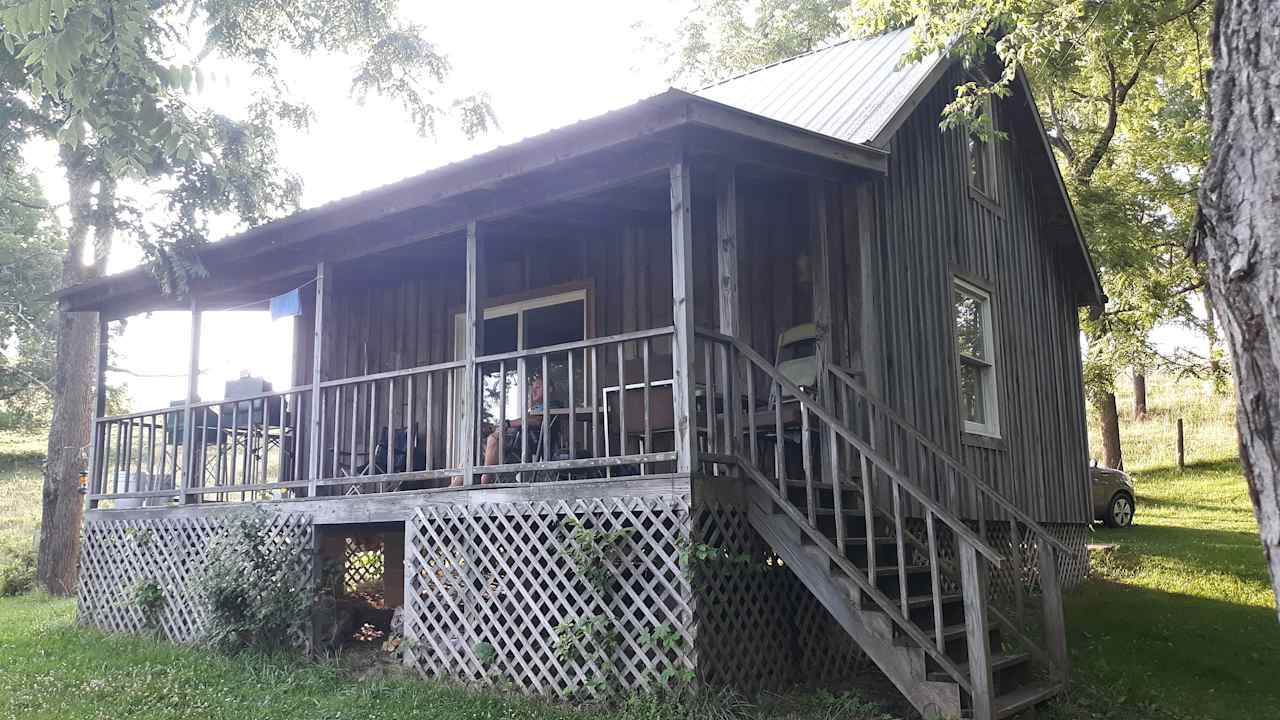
(998, 662)
(949, 633)
(1025, 697)
(916, 601)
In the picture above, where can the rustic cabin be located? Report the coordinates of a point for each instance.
(801, 366)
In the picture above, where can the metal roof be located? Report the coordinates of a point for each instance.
(851, 90)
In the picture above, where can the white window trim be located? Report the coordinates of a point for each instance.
(988, 147)
(987, 376)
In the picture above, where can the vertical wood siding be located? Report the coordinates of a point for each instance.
(932, 228)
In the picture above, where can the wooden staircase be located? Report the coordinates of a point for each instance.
(872, 525)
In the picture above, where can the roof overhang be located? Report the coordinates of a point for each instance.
(485, 187)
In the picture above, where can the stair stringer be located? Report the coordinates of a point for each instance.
(871, 630)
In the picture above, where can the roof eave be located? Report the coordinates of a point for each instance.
(644, 119)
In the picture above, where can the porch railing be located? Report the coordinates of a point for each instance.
(386, 431)
(607, 406)
(607, 410)
(802, 446)
(242, 449)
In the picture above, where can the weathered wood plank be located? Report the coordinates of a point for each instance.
(682, 345)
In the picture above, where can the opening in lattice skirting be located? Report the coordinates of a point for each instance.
(363, 575)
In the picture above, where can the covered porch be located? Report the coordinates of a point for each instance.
(537, 325)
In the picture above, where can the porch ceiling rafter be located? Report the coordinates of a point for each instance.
(571, 162)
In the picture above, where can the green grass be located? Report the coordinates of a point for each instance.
(1178, 619)
(20, 481)
(50, 668)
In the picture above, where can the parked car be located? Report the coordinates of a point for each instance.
(1113, 498)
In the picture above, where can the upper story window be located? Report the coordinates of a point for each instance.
(975, 350)
(982, 156)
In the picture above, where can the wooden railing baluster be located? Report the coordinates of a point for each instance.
(935, 581)
(810, 499)
(899, 524)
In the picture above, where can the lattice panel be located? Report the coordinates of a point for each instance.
(118, 555)
(759, 628)
(1074, 569)
(495, 594)
(363, 564)
(743, 597)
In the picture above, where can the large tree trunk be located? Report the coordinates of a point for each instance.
(1110, 421)
(1238, 236)
(73, 391)
(1139, 395)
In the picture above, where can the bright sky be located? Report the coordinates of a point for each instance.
(543, 64)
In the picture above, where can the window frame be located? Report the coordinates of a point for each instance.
(991, 180)
(988, 384)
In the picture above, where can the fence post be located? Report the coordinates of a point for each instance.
(1182, 458)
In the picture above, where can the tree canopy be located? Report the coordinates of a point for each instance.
(30, 249)
(113, 84)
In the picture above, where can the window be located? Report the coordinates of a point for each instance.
(524, 325)
(982, 156)
(975, 352)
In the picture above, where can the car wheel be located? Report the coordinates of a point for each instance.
(1119, 511)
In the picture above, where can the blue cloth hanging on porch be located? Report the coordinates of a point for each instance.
(287, 304)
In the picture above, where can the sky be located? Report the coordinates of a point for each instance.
(543, 65)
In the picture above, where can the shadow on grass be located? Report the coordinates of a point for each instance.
(1144, 653)
(1173, 556)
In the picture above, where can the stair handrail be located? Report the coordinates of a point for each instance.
(952, 521)
(948, 459)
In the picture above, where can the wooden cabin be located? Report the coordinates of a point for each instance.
(808, 366)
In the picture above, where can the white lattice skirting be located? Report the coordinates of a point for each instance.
(118, 555)
(494, 595)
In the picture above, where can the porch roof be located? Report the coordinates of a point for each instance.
(482, 187)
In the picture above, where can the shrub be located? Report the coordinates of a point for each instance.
(17, 570)
(256, 586)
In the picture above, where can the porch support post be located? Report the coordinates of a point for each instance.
(193, 396)
(869, 286)
(473, 339)
(820, 231)
(727, 228)
(682, 344)
(99, 410)
(317, 355)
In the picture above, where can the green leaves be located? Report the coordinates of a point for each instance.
(111, 82)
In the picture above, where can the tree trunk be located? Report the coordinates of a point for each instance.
(1139, 395)
(62, 505)
(1110, 421)
(1236, 237)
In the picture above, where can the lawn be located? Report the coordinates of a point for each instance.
(1178, 619)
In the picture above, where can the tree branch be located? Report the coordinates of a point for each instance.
(29, 204)
(1059, 138)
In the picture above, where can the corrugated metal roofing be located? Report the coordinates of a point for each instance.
(850, 90)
